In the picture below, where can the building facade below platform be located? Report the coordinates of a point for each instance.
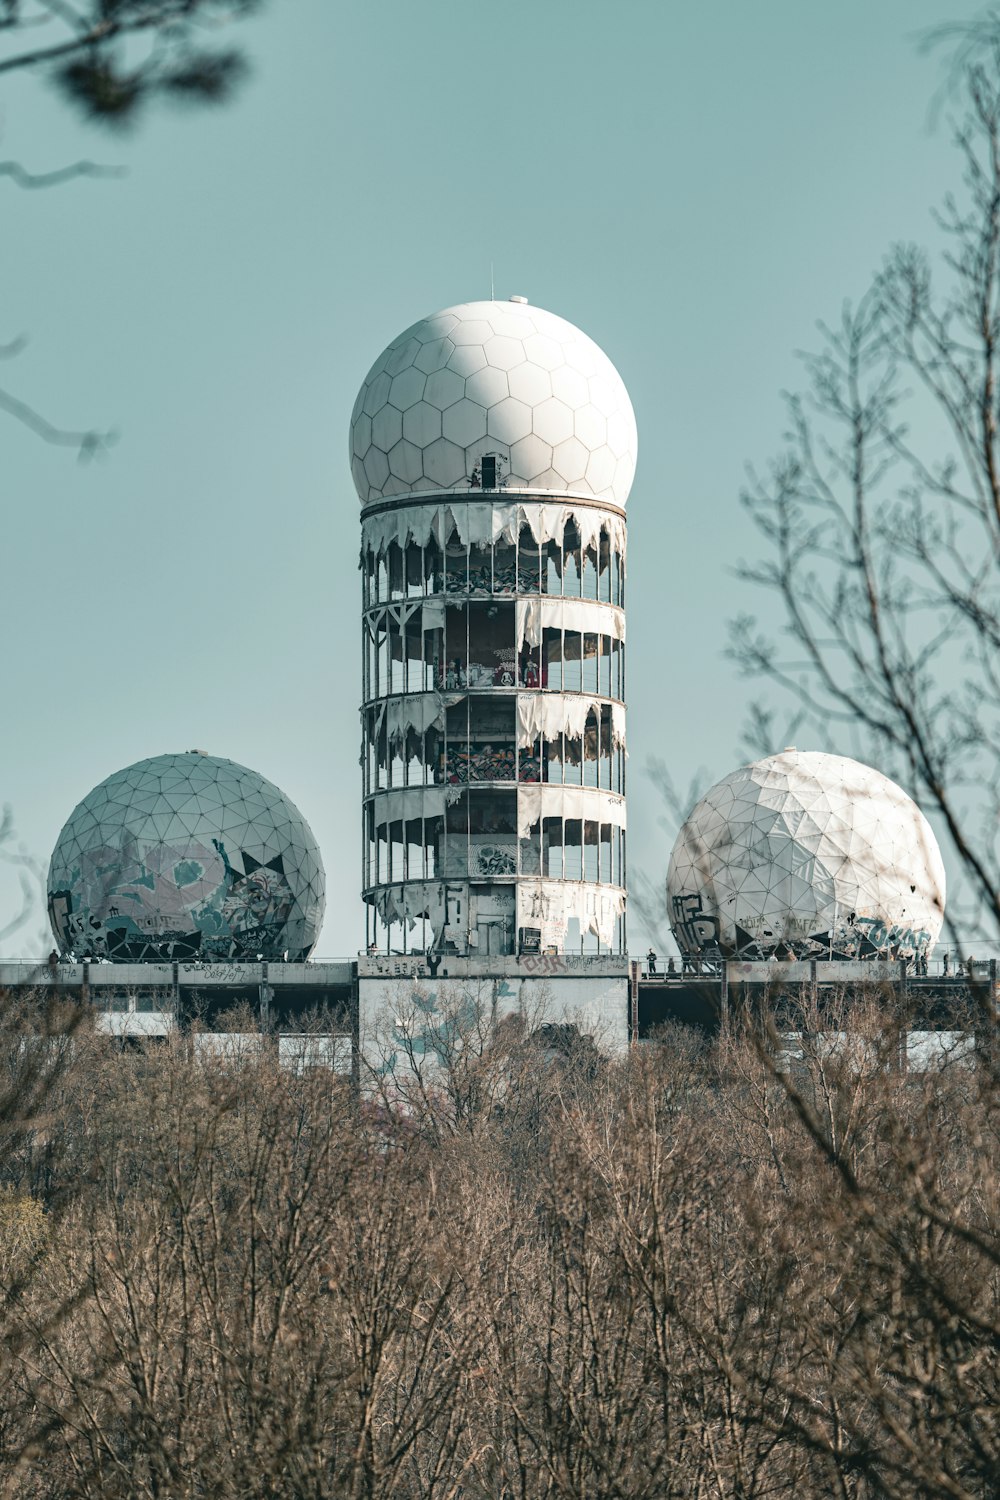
(368, 1014)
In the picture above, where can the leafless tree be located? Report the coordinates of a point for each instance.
(764, 1266)
(110, 59)
(30, 876)
(882, 516)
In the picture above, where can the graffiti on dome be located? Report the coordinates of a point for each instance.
(806, 855)
(141, 903)
(854, 935)
(896, 940)
(695, 928)
(186, 857)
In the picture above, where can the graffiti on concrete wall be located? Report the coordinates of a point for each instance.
(425, 1024)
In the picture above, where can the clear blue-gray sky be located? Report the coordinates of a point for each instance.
(694, 185)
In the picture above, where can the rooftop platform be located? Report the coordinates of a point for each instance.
(149, 999)
(146, 1000)
(21, 972)
(702, 996)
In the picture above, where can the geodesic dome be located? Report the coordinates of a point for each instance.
(498, 378)
(806, 855)
(186, 857)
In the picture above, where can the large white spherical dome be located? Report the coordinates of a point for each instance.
(493, 377)
(804, 854)
(186, 856)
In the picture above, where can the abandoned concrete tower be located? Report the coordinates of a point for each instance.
(493, 447)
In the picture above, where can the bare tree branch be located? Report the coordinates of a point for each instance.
(25, 179)
(89, 444)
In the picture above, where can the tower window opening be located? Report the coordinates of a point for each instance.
(489, 471)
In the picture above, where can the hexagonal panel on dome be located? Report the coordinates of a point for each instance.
(223, 866)
(530, 457)
(467, 360)
(600, 470)
(552, 420)
(618, 434)
(806, 855)
(624, 475)
(570, 459)
(570, 386)
(603, 394)
(434, 355)
(503, 353)
(487, 386)
(387, 427)
(443, 388)
(526, 382)
(591, 427)
(401, 355)
(438, 327)
(463, 423)
(512, 320)
(407, 388)
(376, 467)
(377, 394)
(544, 351)
(444, 463)
(530, 374)
(421, 425)
(361, 435)
(471, 331)
(509, 420)
(405, 461)
(580, 355)
(548, 479)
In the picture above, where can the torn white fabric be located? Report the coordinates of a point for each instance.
(409, 902)
(546, 715)
(547, 904)
(474, 524)
(584, 615)
(483, 521)
(533, 616)
(547, 800)
(527, 622)
(588, 523)
(432, 617)
(532, 720)
(410, 523)
(572, 802)
(506, 523)
(547, 522)
(540, 715)
(529, 809)
(550, 905)
(406, 803)
(416, 711)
